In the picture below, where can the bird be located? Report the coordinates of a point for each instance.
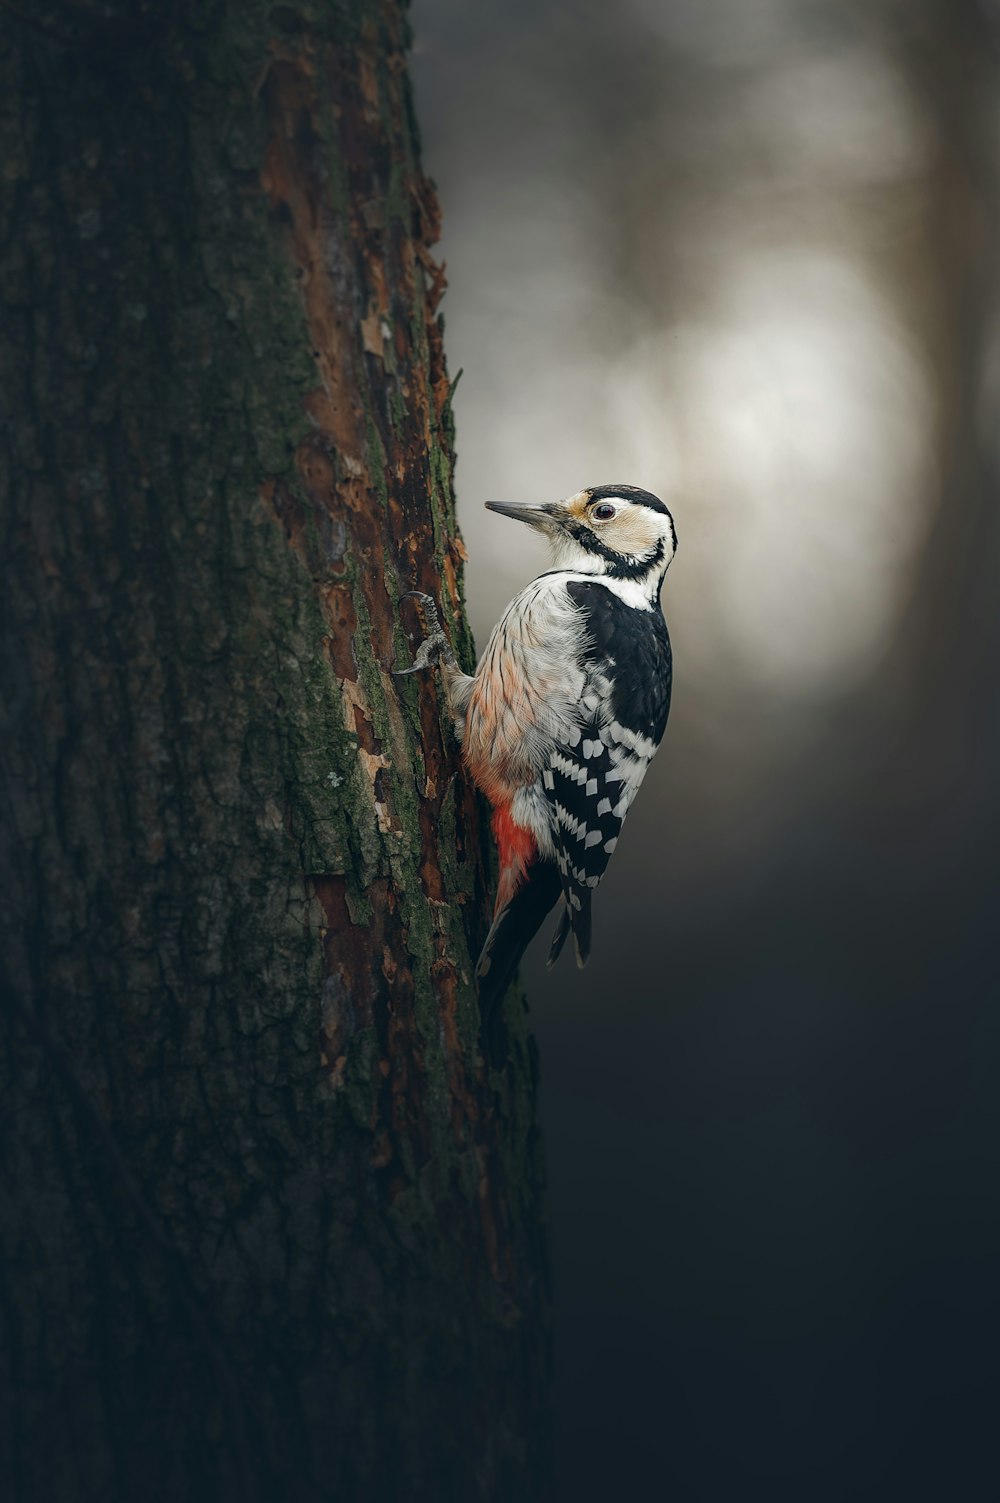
(564, 713)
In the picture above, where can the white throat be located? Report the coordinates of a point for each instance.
(566, 553)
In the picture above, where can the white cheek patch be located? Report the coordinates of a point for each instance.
(635, 530)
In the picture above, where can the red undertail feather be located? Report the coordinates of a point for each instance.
(517, 850)
(527, 891)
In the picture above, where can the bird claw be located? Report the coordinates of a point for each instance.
(427, 612)
(430, 652)
(435, 647)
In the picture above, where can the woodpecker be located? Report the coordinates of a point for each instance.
(564, 712)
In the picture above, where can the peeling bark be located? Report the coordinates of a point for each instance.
(269, 1224)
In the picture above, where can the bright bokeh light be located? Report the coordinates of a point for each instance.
(792, 432)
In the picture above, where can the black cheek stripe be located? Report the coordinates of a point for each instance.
(620, 566)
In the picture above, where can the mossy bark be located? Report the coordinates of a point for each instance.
(269, 1224)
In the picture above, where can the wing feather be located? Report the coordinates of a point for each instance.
(594, 772)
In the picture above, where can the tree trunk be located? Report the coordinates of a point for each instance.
(270, 1225)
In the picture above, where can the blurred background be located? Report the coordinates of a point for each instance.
(743, 253)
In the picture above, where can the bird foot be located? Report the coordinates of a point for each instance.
(435, 648)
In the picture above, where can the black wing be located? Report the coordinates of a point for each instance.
(594, 774)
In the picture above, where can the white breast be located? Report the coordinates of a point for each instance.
(527, 687)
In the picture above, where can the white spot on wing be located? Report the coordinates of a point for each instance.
(634, 740)
(569, 768)
(572, 825)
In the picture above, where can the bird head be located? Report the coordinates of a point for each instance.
(617, 530)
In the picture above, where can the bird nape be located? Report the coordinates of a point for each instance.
(564, 712)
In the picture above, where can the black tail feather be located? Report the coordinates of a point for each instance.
(580, 920)
(559, 938)
(513, 930)
(577, 921)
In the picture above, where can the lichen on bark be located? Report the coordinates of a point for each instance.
(271, 1223)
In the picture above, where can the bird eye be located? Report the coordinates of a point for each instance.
(603, 512)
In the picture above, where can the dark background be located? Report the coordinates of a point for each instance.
(742, 253)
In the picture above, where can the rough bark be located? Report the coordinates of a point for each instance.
(269, 1225)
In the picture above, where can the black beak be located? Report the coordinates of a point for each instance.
(542, 518)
